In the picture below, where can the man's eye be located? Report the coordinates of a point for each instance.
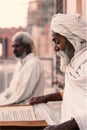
(58, 42)
(53, 40)
(16, 45)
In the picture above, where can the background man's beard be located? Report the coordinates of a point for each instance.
(22, 55)
(64, 60)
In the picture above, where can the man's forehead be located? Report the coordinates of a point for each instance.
(55, 35)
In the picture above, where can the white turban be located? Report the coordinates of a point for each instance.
(70, 26)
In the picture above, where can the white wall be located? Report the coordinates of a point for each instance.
(71, 6)
(84, 9)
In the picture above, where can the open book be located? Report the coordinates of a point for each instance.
(19, 116)
(17, 113)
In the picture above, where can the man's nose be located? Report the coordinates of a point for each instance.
(57, 48)
(14, 48)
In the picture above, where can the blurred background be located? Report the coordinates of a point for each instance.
(33, 16)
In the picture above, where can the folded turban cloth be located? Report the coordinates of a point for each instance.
(73, 27)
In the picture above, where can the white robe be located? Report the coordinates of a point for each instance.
(75, 93)
(74, 103)
(48, 112)
(28, 81)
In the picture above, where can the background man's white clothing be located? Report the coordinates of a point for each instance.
(28, 81)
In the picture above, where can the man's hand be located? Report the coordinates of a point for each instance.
(36, 100)
(46, 98)
(68, 125)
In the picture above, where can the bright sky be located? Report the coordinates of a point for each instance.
(13, 13)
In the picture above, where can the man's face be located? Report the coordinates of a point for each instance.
(59, 42)
(18, 49)
(61, 47)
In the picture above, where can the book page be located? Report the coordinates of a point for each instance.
(17, 113)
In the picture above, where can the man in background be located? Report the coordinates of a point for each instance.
(69, 36)
(28, 78)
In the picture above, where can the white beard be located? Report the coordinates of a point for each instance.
(23, 55)
(64, 60)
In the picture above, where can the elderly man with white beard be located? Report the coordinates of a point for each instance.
(69, 36)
